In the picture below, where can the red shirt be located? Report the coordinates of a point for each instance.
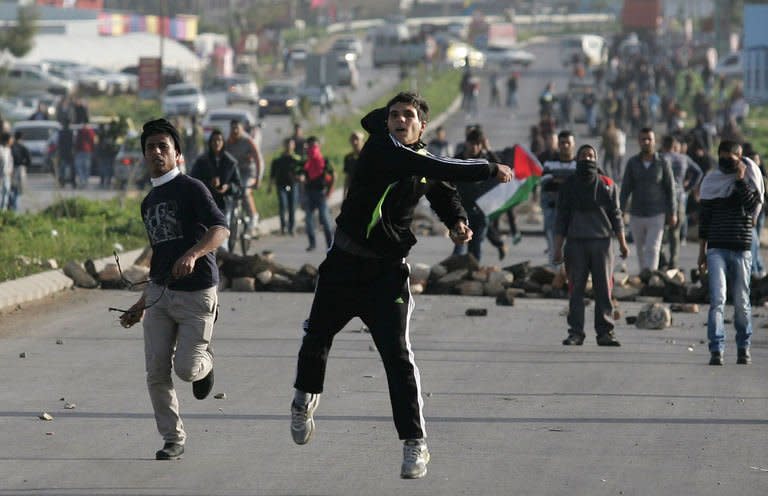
(86, 140)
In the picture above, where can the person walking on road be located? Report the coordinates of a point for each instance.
(365, 275)
(731, 196)
(6, 170)
(283, 174)
(85, 144)
(588, 215)
(317, 177)
(649, 181)
(687, 175)
(21, 163)
(554, 174)
(180, 303)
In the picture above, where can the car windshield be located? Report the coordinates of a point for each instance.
(181, 91)
(36, 133)
(226, 117)
(278, 90)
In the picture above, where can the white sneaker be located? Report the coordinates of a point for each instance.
(302, 423)
(415, 459)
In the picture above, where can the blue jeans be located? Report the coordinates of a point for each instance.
(315, 200)
(83, 168)
(5, 192)
(550, 216)
(729, 267)
(286, 200)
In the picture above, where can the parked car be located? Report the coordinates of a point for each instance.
(318, 95)
(16, 109)
(23, 78)
(183, 99)
(39, 137)
(346, 45)
(278, 98)
(298, 53)
(459, 53)
(129, 164)
(221, 118)
(730, 67)
(100, 81)
(505, 57)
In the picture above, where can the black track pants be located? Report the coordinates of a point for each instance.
(377, 291)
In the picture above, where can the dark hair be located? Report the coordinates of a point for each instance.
(312, 140)
(475, 136)
(564, 134)
(234, 122)
(288, 140)
(728, 146)
(667, 141)
(5, 138)
(160, 126)
(411, 99)
(748, 150)
(18, 135)
(214, 133)
(586, 147)
(645, 130)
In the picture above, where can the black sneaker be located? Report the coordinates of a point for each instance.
(716, 358)
(607, 339)
(744, 357)
(170, 451)
(573, 340)
(202, 387)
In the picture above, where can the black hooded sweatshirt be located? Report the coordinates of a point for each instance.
(388, 182)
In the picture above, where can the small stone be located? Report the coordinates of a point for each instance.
(69, 406)
(371, 348)
(429, 395)
(23, 354)
(45, 416)
(220, 396)
(690, 348)
(49, 433)
(59, 341)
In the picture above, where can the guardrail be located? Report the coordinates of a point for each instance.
(521, 20)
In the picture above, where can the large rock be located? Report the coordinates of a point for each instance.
(447, 283)
(419, 273)
(109, 277)
(519, 270)
(493, 288)
(243, 284)
(456, 262)
(625, 293)
(77, 273)
(501, 277)
(654, 316)
(280, 283)
(542, 274)
(264, 277)
(470, 288)
(436, 272)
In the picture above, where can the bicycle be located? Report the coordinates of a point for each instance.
(238, 228)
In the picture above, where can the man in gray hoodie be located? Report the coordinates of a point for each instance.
(587, 216)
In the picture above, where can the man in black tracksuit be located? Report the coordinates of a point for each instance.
(365, 274)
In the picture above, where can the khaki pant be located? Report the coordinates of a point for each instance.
(647, 233)
(177, 333)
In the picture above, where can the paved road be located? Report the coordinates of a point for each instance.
(509, 410)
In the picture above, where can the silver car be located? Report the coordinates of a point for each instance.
(184, 99)
(38, 137)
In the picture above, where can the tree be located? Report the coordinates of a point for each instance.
(19, 38)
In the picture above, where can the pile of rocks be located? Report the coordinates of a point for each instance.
(262, 273)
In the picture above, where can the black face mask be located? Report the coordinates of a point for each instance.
(726, 165)
(586, 167)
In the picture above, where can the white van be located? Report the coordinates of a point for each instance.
(590, 48)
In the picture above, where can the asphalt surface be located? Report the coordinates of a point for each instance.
(509, 410)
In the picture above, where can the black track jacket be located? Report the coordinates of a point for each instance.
(388, 182)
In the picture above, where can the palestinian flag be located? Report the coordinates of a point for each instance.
(506, 195)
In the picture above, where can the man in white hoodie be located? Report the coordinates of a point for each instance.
(6, 170)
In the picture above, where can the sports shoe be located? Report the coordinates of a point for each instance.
(716, 358)
(573, 340)
(517, 238)
(302, 422)
(170, 451)
(744, 357)
(607, 339)
(415, 459)
(201, 388)
(502, 251)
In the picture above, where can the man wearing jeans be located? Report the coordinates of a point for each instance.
(649, 181)
(179, 306)
(730, 198)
